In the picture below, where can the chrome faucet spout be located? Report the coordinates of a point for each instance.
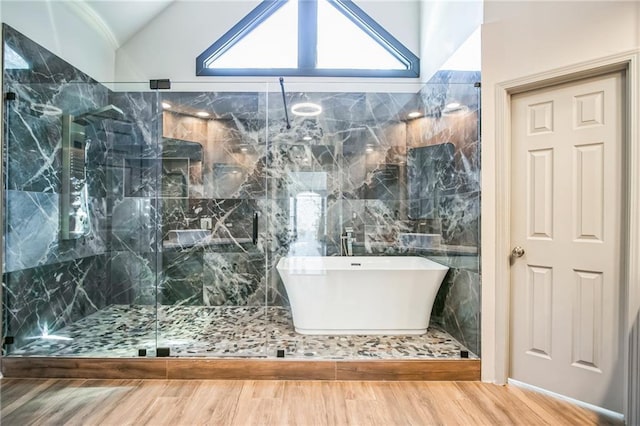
(347, 242)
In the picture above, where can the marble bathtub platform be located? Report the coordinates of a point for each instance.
(226, 332)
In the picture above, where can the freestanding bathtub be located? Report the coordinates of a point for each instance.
(361, 294)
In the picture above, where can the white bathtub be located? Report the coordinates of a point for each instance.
(361, 295)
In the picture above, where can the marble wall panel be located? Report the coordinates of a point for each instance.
(32, 231)
(44, 299)
(48, 280)
(233, 278)
(133, 277)
(457, 305)
(182, 277)
(354, 156)
(134, 224)
(47, 90)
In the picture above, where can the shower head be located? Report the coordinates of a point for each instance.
(109, 112)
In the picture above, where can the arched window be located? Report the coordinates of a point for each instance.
(332, 38)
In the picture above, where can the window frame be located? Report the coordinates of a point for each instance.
(307, 44)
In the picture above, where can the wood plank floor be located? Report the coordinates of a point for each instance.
(232, 402)
(240, 369)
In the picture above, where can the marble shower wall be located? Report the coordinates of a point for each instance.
(214, 179)
(348, 166)
(444, 191)
(48, 282)
(360, 164)
(133, 168)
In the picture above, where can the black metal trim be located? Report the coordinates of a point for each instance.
(163, 352)
(284, 102)
(255, 228)
(164, 83)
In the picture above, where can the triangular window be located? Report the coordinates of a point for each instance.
(308, 38)
(251, 51)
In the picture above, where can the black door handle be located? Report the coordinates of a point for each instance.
(255, 228)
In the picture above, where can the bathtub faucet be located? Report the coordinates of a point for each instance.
(347, 242)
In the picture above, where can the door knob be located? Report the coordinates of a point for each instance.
(517, 251)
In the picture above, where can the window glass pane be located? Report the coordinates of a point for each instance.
(343, 45)
(273, 44)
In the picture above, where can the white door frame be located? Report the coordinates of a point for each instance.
(628, 62)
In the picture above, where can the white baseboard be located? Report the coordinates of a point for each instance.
(599, 410)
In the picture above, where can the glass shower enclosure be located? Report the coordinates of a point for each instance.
(143, 222)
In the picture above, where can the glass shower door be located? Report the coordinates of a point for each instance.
(211, 299)
(79, 248)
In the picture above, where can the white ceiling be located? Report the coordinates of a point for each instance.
(119, 20)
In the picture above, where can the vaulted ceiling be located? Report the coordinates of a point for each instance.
(120, 20)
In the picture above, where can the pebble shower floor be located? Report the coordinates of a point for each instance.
(203, 331)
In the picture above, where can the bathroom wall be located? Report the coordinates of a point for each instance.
(196, 25)
(65, 29)
(45, 278)
(520, 39)
(444, 27)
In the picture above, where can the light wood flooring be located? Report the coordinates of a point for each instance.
(240, 369)
(231, 402)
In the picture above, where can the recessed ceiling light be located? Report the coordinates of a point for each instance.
(202, 114)
(166, 105)
(454, 108)
(306, 109)
(414, 114)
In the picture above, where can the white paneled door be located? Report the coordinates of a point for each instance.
(566, 218)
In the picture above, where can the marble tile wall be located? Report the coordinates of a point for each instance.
(444, 160)
(117, 261)
(370, 168)
(40, 300)
(360, 164)
(48, 282)
(133, 168)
